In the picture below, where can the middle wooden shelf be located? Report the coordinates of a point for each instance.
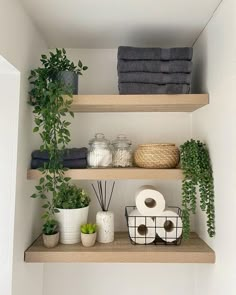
(116, 173)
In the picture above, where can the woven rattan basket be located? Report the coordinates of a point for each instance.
(157, 156)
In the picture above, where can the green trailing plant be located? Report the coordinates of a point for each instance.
(58, 61)
(197, 169)
(50, 117)
(71, 197)
(88, 228)
(50, 227)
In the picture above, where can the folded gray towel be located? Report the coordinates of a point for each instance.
(72, 164)
(142, 88)
(137, 53)
(154, 78)
(69, 154)
(154, 66)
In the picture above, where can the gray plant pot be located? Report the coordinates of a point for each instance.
(69, 79)
(51, 241)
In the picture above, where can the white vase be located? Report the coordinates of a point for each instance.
(69, 221)
(105, 223)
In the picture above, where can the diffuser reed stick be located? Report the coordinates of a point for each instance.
(102, 196)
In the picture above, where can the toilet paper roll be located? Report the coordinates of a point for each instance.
(169, 226)
(149, 201)
(141, 229)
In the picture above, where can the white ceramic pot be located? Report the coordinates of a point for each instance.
(50, 241)
(69, 221)
(105, 223)
(88, 240)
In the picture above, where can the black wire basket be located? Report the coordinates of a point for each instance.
(158, 230)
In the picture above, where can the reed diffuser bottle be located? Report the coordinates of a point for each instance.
(104, 218)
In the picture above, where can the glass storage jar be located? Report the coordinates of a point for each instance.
(122, 152)
(100, 153)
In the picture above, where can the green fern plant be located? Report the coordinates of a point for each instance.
(88, 228)
(197, 169)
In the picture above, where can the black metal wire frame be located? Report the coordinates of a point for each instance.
(158, 240)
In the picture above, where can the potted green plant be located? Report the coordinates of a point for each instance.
(50, 233)
(50, 111)
(88, 234)
(197, 169)
(72, 204)
(64, 70)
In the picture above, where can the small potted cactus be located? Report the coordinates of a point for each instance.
(88, 234)
(50, 233)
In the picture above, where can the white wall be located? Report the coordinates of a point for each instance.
(10, 90)
(21, 45)
(101, 78)
(215, 124)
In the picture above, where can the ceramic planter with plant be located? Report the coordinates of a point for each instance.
(64, 70)
(72, 205)
(104, 218)
(88, 234)
(50, 111)
(50, 233)
(197, 169)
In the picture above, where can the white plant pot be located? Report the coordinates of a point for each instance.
(88, 240)
(69, 221)
(105, 223)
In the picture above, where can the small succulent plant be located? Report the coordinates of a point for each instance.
(88, 228)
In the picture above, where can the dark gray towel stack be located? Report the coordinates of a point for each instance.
(154, 70)
(75, 158)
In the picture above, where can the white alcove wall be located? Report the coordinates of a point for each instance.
(21, 44)
(215, 72)
(101, 78)
(10, 93)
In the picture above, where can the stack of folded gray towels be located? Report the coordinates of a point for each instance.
(154, 70)
(74, 158)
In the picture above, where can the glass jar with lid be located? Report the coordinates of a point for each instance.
(100, 153)
(122, 152)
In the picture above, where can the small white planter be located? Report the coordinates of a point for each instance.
(69, 221)
(88, 240)
(105, 223)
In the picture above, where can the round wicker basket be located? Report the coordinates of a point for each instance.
(157, 156)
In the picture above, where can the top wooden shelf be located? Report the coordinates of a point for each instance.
(139, 103)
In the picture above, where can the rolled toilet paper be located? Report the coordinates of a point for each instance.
(149, 201)
(169, 226)
(141, 229)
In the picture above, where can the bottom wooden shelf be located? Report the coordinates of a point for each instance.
(194, 250)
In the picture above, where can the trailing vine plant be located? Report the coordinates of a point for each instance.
(50, 117)
(58, 61)
(197, 169)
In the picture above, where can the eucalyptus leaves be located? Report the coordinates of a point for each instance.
(196, 165)
(50, 117)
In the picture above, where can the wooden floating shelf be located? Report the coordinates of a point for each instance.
(194, 250)
(139, 103)
(116, 174)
